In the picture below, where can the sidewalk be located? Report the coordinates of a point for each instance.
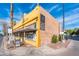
(59, 45)
(71, 50)
(29, 50)
(33, 51)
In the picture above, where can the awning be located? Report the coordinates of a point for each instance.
(28, 28)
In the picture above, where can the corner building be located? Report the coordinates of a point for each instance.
(37, 27)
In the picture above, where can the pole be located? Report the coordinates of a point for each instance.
(11, 16)
(23, 28)
(37, 4)
(63, 21)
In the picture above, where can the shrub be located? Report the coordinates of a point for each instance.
(54, 39)
(60, 37)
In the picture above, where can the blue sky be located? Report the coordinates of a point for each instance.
(55, 9)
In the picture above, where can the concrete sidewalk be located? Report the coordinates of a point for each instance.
(71, 50)
(33, 51)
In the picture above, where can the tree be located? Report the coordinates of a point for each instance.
(72, 31)
(77, 32)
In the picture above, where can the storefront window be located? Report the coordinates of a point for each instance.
(31, 36)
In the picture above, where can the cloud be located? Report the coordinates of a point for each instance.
(59, 9)
(8, 11)
(32, 6)
(73, 22)
(71, 17)
(60, 19)
(52, 8)
(18, 15)
(2, 21)
(71, 27)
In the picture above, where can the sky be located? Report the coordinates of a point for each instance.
(71, 12)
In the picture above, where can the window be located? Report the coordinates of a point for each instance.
(42, 25)
(31, 36)
(35, 25)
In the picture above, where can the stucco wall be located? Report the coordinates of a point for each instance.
(51, 27)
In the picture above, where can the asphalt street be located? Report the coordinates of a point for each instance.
(72, 49)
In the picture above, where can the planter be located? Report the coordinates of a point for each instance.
(56, 45)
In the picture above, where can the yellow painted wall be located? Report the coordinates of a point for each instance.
(29, 19)
(30, 42)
